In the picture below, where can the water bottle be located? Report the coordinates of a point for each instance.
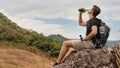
(83, 10)
(81, 38)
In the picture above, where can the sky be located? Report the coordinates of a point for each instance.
(60, 16)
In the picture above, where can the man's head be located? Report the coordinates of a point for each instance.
(95, 10)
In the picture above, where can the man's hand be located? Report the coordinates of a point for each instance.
(81, 23)
(85, 39)
(81, 9)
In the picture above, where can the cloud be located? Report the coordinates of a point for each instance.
(60, 9)
(51, 27)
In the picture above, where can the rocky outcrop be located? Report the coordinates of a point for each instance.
(94, 58)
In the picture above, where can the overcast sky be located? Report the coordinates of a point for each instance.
(60, 16)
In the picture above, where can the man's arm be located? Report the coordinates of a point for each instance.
(92, 33)
(81, 23)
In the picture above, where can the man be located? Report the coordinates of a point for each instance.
(91, 34)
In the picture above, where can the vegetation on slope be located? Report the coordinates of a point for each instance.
(10, 31)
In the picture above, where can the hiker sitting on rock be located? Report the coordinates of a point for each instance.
(87, 42)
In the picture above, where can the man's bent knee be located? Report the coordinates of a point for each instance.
(67, 44)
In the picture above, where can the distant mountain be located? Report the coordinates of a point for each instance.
(58, 37)
(112, 43)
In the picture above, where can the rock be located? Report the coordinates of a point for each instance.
(91, 58)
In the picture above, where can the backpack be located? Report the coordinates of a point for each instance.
(104, 31)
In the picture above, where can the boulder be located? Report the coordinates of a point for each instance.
(92, 58)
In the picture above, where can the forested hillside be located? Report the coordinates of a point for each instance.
(10, 31)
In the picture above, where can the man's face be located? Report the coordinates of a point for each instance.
(90, 11)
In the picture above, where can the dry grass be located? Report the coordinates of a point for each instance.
(14, 57)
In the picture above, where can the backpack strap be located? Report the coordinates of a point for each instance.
(97, 41)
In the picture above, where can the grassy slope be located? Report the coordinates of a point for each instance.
(12, 56)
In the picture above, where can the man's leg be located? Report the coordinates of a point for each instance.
(76, 44)
(63, 50)
(68, 54)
